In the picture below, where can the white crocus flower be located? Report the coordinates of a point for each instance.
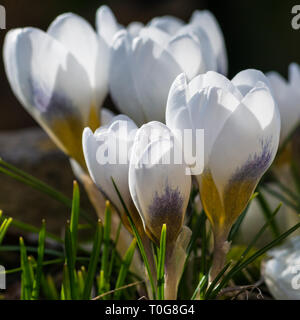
(60, 76)
(160, 189)
(282, 271)
(145, 62)
(106, 154)
(205, 20)
(287, 95)
(107, 25)
(241, 125)
(168, 24)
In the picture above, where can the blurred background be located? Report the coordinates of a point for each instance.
(258, 34)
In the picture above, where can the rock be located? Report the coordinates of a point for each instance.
(32, 151)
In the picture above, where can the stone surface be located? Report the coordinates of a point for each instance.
(32, 151)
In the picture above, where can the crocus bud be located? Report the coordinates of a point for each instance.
(241, 125)
(60, 77)
(107, 153)
(208, 22)
(282, 270)
(160, 188)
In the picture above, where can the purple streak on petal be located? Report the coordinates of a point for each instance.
(256, 164)
(169, 203)
(50, 103)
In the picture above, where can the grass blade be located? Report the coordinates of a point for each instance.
(39, 185)
(70, 262)
(139, 241)
(26, 284)
(114, 251)
(40, 259)
(93, 262)
(65, 288)
(202, 283)
(253, 257)
(216, 280)
(295, 170)
(11, 248)
(124, 268)
(161, 263)
(235, 228)
(3, 228)
(281, 197)
(75, 218)
(49, 288)
(106, 239)
(29, 228)
(254, 240)
(81, 281)
(268, 214)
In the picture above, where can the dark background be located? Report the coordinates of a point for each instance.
(258, 33)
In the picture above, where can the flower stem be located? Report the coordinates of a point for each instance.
(221, 248)
(171, 281)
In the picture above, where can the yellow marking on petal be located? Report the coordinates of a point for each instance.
(222, 210)
(94, 118)
(211, 201)
(236, 197)
(67, 134)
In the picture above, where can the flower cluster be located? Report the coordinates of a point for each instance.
(166, 78)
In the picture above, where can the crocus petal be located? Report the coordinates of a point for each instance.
(154, 71)
(177, 114)
(101, 151)
(106, 116)
(44, 76)
(160, 191)
(206, 20)
(121, 72)
(294, 75)
(155, 34)
(168, 24)
(247, 79)
(207, 109)
(277, 82)
(213, 79)
(281, 270)
(81, 40)
(134, 28)
(195, 58)
(106, 24)
(247, 145)
(211, 107)
(287, 98)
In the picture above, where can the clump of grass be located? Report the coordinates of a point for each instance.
(71, 271)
